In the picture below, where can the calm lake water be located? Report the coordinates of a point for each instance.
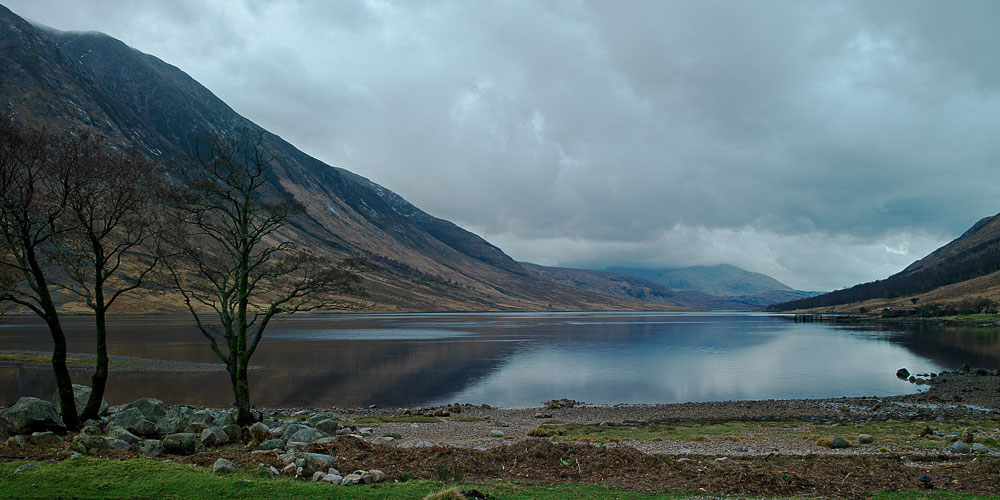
(514, 359)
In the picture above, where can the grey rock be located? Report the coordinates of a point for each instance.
(259, 432)
(120, 444)
(214, 436)
(329, 426)
(903, 373)
(152, 448)
(496, 433)
(176, 420)
(44, 437)
(334, 479)
(181, 443)
(81, 396)
(980, 448)
(839, 442)
(333, 470)
(326, 440)
(314, 419)
(960, 447)
(318, 475)
(272, 444)
(317, 461)
(866, 439)
(382, 440)
(299, 462)
(6, 429)
(377, 475)
(28, 467)
(196, 427)
(205, 417)
(224, 418)
(134, 421)
(296, 445)
(88, 445)
(351, 479)
(222, 465)
(366, 430)
(151, 408)
(91, 430)
(75, 455)
(32, 414)
(116, 432)
(233, 431)
(289, 469)
(273, 470)
(306, 435)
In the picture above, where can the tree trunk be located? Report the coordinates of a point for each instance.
(98, 382)
(63, 381)
(241, 389)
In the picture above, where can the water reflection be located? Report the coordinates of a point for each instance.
(514, 359)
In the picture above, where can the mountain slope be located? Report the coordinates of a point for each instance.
(69, 79)
(960, 270)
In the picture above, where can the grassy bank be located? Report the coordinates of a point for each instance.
(92, 478)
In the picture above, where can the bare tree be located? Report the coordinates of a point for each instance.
(109, 252)
(234, 262)
(31, 211)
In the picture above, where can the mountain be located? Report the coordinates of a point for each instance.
(65, 80)
(966, 269)
(715, 287)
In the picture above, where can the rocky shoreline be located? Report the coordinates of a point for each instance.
(956, 417)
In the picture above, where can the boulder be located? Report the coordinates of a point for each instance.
(903, 373)
(351, 479)
(260, 432)
(296, 445)
(151, 408)
(5, 428)
(181, 443)
(233, 431)
(32, 414)
(135, 421)
(120, 444)
(306, 435)
(866, 439)
(382, 440)
(176, 420)
(81, 395)
(839, 442)
(378, 476)
(980, 448)
(334, 479)
(152, 448)
(496, 433)
(115, 432)
(320, 416)
(272, 444)
(317, 461)
(88, 445)
(318, 475)
(222, 465)
(224, 418)
(44, 437)
(960, 447)
(329, 426)
(28, 467)
(214, 436)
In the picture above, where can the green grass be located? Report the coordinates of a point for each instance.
(38, 358)
(468, 419)
(689, 431)
(410, 419)
(931, 495)
(92, 478)
(901, 435)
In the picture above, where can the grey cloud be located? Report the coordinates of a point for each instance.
(822, 138)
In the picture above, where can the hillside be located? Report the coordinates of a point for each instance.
(964, 270)
(63, 80)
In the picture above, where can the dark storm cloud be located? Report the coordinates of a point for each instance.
(823, 143)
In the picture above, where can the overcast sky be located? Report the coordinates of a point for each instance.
(822, 143)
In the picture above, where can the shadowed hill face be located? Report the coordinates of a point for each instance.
(68, 79)
(970, 257)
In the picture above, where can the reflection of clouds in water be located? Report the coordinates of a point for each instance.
(366, 334)
(788, 366)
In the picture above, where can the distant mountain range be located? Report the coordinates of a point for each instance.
(70, 79)
(962, 272)
(700, 287)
